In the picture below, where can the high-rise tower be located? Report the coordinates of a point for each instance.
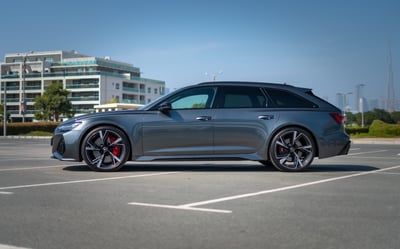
(391, 101)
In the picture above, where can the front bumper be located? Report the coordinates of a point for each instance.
(61, 151)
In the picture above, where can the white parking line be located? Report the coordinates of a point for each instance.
(2, 246)
(6, 193)
(184, 207)
(191, 206)
(84, 181)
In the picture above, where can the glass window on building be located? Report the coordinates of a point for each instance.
(155, 91)
(148, 90)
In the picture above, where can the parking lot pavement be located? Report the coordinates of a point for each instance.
(349, 201)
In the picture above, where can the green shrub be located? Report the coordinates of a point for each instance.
(379, 128)
(356, 130)
(28, 127)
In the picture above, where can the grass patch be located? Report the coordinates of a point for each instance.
(39, 134)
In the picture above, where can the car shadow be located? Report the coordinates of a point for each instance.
(225, 167)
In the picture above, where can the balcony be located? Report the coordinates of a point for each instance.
(131, 89)
(133, 101)
(33, 87)
(79, 86)
(83, 98)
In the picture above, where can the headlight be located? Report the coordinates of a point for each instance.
(67, 127)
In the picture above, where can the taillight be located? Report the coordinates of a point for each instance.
(338, 117)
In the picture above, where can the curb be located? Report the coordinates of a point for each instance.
(375, 141)
(24, 137)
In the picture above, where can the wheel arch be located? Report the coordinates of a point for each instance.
(92, 127)
(313, 137)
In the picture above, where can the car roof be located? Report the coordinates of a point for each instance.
(250, 83)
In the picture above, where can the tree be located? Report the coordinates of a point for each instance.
(53, 103)
(396, 117)
(1, 113)
(113, 100)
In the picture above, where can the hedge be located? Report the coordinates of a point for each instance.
(25, 128)
(379, 128)
(356, 130)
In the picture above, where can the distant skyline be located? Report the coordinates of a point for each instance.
(329, 46)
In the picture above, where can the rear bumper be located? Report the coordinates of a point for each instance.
(345, 149)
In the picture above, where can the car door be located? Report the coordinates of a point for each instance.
(242, 121)
(184, 128)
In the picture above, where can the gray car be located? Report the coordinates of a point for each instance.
(275, 124)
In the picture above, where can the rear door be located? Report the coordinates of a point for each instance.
(242, 121)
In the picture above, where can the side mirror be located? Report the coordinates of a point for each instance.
(165, 107)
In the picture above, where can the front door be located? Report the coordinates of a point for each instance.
(185, 129)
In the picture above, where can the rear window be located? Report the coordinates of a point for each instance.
(241, 97)
(286, 99)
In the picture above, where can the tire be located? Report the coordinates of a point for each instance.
(105, 149)
(292, 149)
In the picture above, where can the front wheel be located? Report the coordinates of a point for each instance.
(105, 148)
(292, 149)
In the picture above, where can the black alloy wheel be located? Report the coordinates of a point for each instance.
(292, 149)
(105, 148)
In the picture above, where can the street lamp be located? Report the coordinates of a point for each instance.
(4, 102)
(344, 100)
(23, 104)
(213, 75)
(361, 102)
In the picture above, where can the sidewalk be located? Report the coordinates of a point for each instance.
(23, 137)
(375, 140)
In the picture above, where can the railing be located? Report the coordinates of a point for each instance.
(64, 74)
(133, 101)
(83, 98)
(130, 89)
(33, 87)
(12, 100)
(74, 86)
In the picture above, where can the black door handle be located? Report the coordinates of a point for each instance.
(266, 117)
(203, 118)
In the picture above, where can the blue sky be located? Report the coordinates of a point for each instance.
(329, 46)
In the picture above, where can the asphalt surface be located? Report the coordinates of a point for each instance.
(349, 201)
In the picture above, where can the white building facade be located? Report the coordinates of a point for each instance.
(90, 80)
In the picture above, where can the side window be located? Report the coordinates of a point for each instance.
(197, 98)
(241, 97)
(286, 99)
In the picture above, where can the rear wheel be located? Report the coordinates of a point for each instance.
(292, 149)
(105, 148)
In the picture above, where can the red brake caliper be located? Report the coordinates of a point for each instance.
(116, 150)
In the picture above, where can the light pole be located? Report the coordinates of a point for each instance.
(213, 75)
(344, 100)
(361, 102)
(23, 71)
(4, 102)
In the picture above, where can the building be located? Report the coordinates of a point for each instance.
(90, 80)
